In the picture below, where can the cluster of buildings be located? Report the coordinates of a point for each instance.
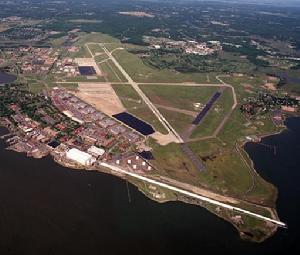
(19, 31)
(66, 66)
(73, 132)
(202, 49)
(265, 102)
(189, 47)
(99, 137)
(34, 121)
(32, 60)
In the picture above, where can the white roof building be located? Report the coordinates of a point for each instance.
(80, 157)
(95, 151)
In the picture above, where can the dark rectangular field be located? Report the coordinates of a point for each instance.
(87, 70)
(135, 123)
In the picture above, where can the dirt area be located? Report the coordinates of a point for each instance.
(101, 96)
(270, 86)
(3, 28)
(164, 139)
(138, 14)
(88, 62)
(273, 79)
(247, 86)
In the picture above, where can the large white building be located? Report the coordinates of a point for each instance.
(95, 151)
(80, 157)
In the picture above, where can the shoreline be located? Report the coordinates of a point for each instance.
(242, 234)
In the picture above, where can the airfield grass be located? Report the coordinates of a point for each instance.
(181, 97)
(38, 87)
(134, 105)
(240, 83)
(112, 46)
(111, 72)
(215, 116)
(227, 173)
(71, 86)
(82, 78)
(100, 58)
(35, 87)
(142, 73)
(178, 121)
(95, 48)
(96, 38)
(82, 53)
(172, 162)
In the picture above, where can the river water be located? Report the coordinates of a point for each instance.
(49, 209)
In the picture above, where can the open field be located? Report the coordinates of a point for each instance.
(38, 87)
(101, 96)
(172, 162)
(142, 73)
(100, 58)
(181, 97)
(245, 85)
(111, 72)
(96, 38)
(69, 86)
(35, 87)
(96, 49)
(228, 173)
(179, 121)
(82, 79)
(82, 53)
(134, 104)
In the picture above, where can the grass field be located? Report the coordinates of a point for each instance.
(82, 79)
(243, 85)
(229, 174)
(95, 48)
(95, 38)
(100, 58)
(37, 87)
(142, 73)
(82, 53)
(111, 72)
(181, 97)
(172, 162)
(67, 85)
(134, 105)
(177, 120)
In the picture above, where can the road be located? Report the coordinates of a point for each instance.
(193, 195)
(177, 138)
(161, 118)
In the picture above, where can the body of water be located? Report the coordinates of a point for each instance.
(48, 209)
(6, 78)
(135, 123)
